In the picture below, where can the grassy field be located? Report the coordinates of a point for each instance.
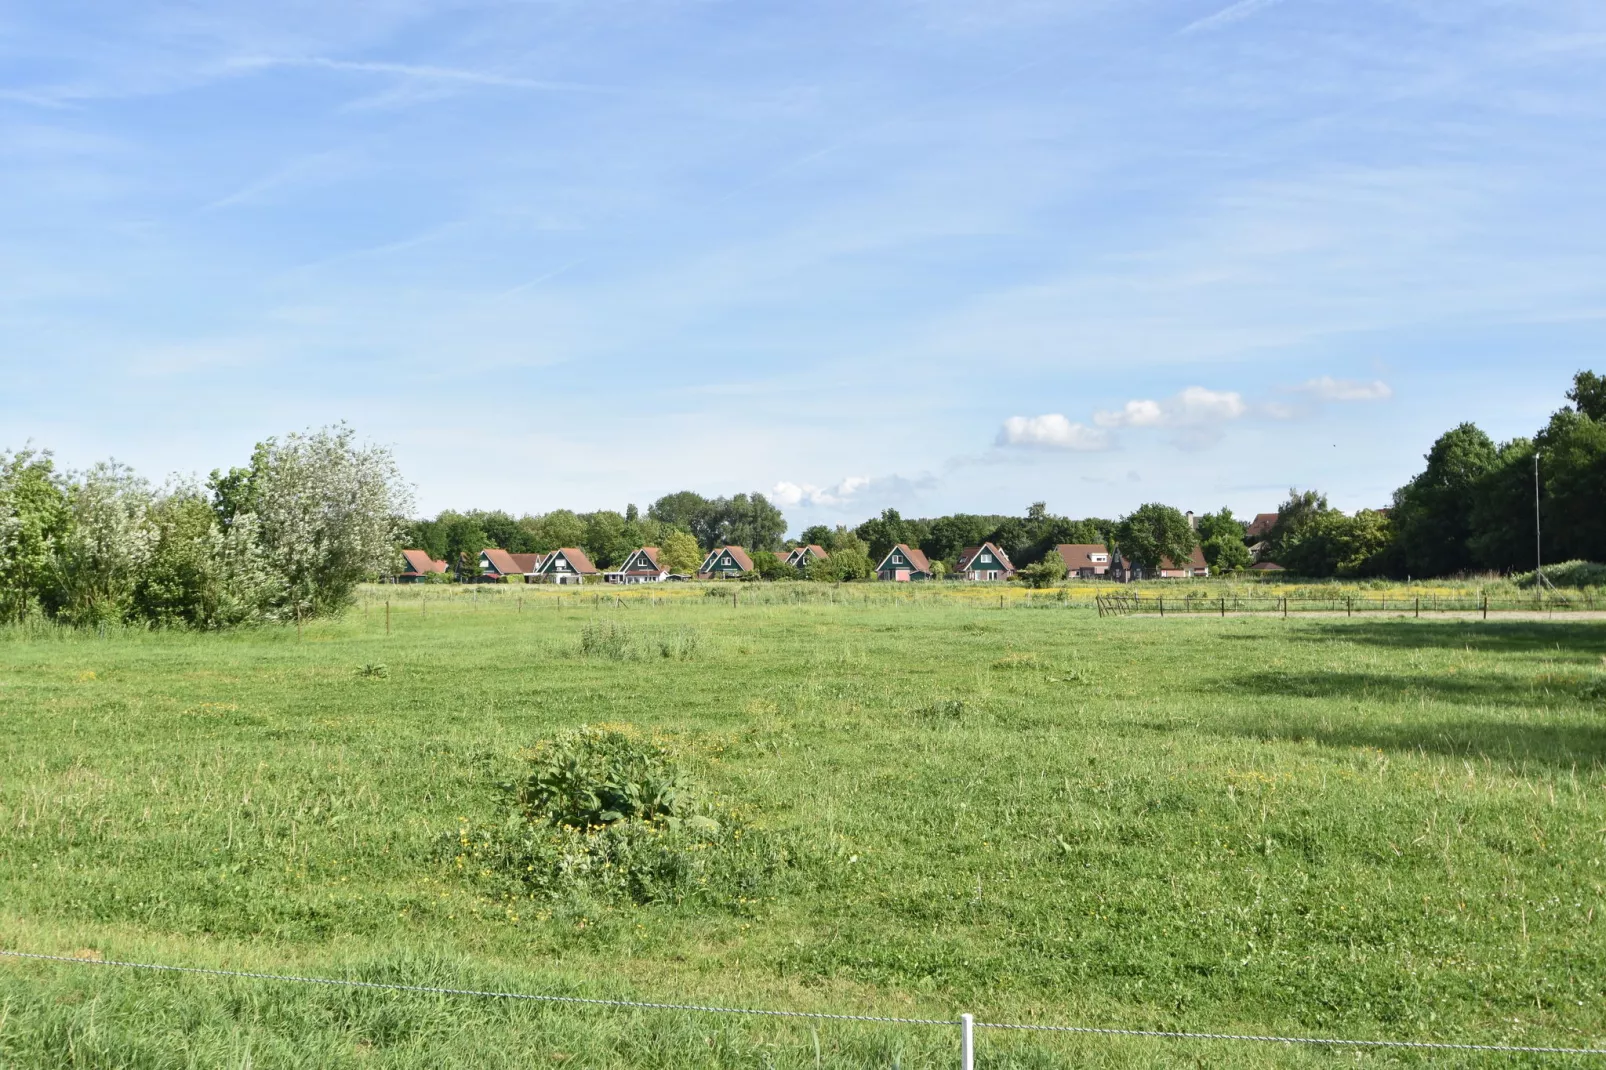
(1369, 827)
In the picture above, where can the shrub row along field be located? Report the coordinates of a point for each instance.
(1369, 827)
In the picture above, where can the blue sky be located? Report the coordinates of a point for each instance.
(934, 254)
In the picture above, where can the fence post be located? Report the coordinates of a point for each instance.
(1285, 607)
(1486, 605)
(387, 616)
(1162, 605)
(1418, 605)
(1349, 605)
(1223, 606)
(967, 1042)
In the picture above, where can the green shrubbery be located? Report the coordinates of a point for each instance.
(613, 641)
(606, 813)
(288, 537)
(1578, 574)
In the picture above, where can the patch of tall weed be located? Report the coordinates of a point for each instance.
(606, 813)
(613, 641)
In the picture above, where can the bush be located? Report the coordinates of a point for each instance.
(605, 813)
(1568, 574)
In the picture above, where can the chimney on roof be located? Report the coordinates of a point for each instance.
(1193, 521)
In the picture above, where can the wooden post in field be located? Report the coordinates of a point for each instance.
(1349, 605)
(1224, 606)
(298, 622)
(1419, 605)
(387, 616)
(1285, 607)
(1000, 601)
(1485, 605)
(1162, 605)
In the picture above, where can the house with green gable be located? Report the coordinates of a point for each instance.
(566, 565)
(725, 563)
(800, 556)
(639, 566)
(984, 562)
(902, 564)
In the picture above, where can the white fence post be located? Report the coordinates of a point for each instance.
(967, 1042)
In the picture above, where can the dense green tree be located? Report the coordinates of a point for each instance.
(691, 512)
(1225, 553)
(817, 535)
(748, 520)
(679, 553)
(33, 518)
(1588, 395)
(1222, 525)
(947, 535)
(605, 539)
(461, 540)
(1332, 544)
(1572, 464)
(880, 534)
(202, 574)
(1433, 512)
(557, 529)
(1300, 509)
(767, 566)
(1154, 532)
(1502, 510)
(1044, 573)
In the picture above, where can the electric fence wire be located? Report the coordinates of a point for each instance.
(1160, 1034)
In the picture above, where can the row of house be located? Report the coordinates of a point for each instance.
(902, 564)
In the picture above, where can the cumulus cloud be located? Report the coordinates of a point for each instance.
(1329, 389)
(792, 494)
(1196, 406)
(1052, 431)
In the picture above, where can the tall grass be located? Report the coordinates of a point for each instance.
(1367, 827)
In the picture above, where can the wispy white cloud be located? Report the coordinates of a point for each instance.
(1327, 388)
(1243, 9)
(1052, 431)
(421, 71)
(1193, 407)
(792, 494)
(316, 167)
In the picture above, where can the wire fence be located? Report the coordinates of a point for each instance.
(967, 1024)
(1126, 604)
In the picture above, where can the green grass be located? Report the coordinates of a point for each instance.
(1377, 827)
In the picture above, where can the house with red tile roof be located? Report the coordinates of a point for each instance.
(802, 555)
(566, 565)
(1089, 560)
(903, 563)
(499, 566)
(725, 563)
(639, 566)
(982, 563)
(1194, 568)
(420, 566)
(1261, 526)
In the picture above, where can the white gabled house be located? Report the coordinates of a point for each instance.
(566, 565)
(984, 562)
(639, 566)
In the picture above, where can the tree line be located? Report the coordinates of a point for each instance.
(288, 535)
(1472, 507)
